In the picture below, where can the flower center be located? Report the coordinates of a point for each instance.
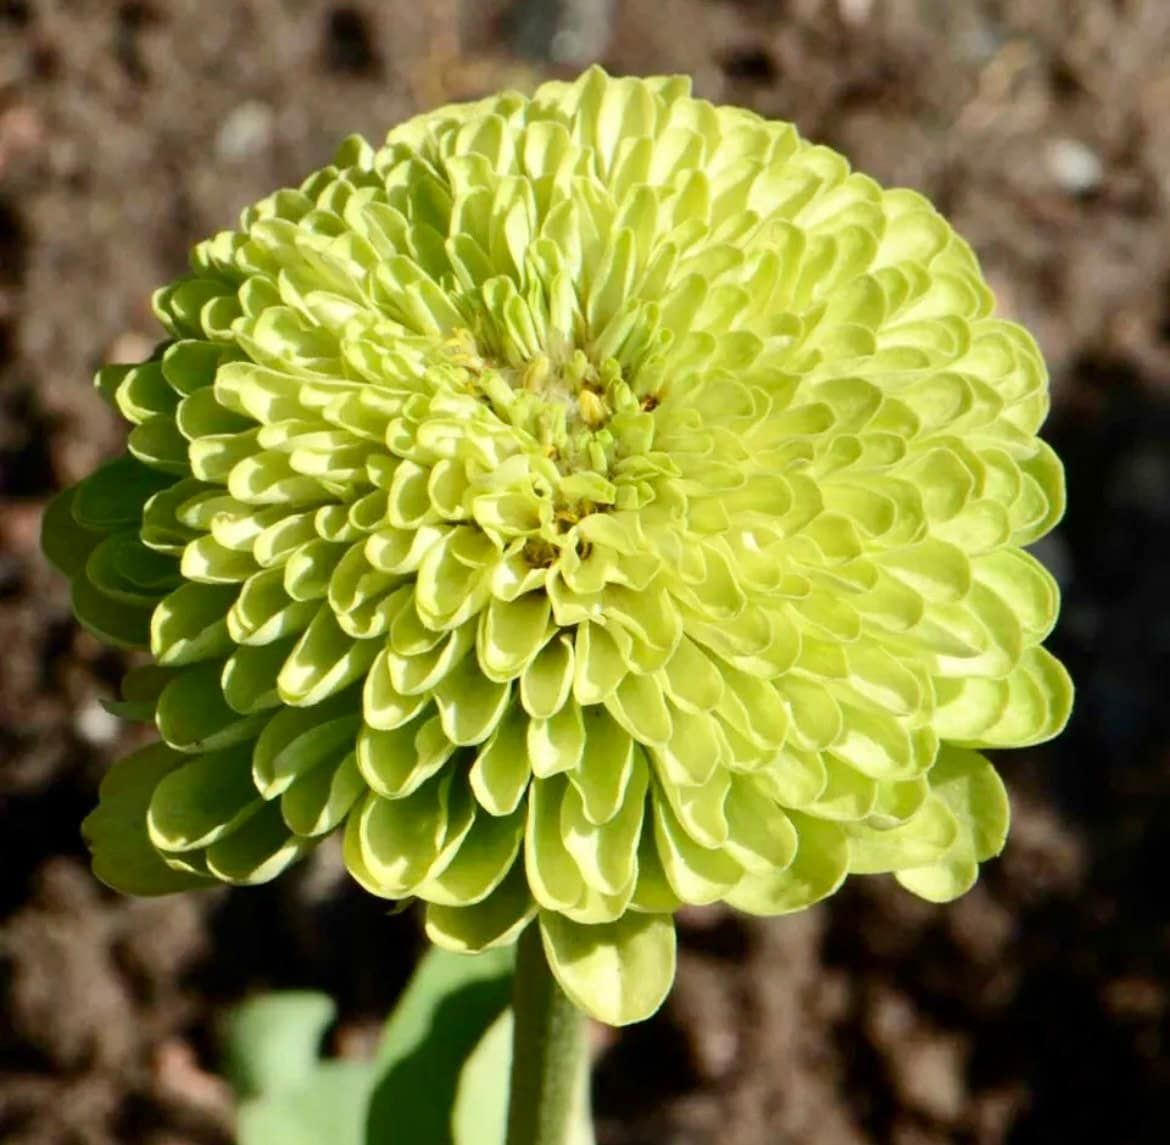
(576, 385)
(568, 404)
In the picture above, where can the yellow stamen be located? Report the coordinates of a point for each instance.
(592, 407)
(536, 373)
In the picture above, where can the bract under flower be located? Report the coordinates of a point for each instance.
(588, 504)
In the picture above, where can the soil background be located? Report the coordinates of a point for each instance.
(1036, 1009)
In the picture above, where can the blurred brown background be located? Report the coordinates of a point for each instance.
(1035, 1010)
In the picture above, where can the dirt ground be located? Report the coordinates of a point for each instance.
(1035, 1010)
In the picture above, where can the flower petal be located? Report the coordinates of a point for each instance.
(618, 972)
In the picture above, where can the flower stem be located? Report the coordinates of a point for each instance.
(549, 1066)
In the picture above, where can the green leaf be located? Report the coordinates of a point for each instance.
(271, 1042)
(481, 1097)
(411, 1094)
(328, 1109)
(451, 1000)
(480, 1116)
(290, 1096)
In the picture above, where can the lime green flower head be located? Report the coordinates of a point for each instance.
(588, 504)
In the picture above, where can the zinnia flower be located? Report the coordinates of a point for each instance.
(589, 504)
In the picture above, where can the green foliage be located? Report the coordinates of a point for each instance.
(440, 1076)
(437, 1079)
(288, 1095)
(272, 1042)
(444, 1013)
(328, 1109)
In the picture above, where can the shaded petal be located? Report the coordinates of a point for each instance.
(618, 972)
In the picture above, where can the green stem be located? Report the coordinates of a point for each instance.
(549, 1065)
